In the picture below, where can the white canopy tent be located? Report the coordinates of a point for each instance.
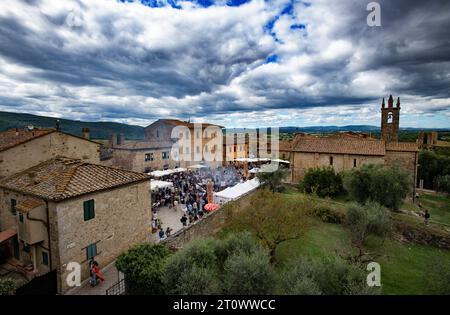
(157, 184)
(235, 192)
(167, 172)
(197, 166)
(280, 161)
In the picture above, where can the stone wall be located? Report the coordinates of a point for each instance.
(134, 160)
(122, 219)
(31, 153)
(209, 225)
(302, 161)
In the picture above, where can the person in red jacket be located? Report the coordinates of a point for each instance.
(97, 272)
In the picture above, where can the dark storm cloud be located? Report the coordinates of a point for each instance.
(104, 59)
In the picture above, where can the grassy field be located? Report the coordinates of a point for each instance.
(403, 265)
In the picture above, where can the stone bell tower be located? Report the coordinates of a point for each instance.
(390, 120)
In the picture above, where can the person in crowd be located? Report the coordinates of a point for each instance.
(184, 220)
(162, 235)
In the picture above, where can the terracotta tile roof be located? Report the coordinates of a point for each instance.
(63, 178)
(285, 145)
(7, 234)
(12, 138)
(339, 146)
(402, 146)
(29, 204)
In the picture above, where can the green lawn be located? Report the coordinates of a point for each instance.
(403, 265)
(439, 207)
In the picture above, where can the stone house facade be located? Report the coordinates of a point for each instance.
(21, 149)
(68, 211)
(350, 150)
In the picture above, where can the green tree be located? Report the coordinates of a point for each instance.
(193, 270)
(273, 219)
(329, 276)
(323, 181)
(7, 286)
(387, 186)
(443, 183)
(273, 179)
(248, 273)
(365, 220)
(431, 166)
(143, 268)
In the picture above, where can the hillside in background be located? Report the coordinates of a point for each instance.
(99, 130)
(103, 130)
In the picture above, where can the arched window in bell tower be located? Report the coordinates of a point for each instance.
(390, 118)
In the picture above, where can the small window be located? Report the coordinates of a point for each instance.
(13, 206)
(89, 211)
(331, 160)
(157, 133)
(45, 258)
(390, 118)
(148, 157)
(354, 162)
(21, 217)
(91, 251)
(165, 155)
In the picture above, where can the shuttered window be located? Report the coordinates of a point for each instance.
(91, 251)
(89, 211)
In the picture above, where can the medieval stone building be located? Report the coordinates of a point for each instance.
(345, 151)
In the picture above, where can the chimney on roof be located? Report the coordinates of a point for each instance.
(113, 140)
(120, 139)
(398, 102)
(383, 105)
(86, 132)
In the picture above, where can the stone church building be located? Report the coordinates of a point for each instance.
(345, 151)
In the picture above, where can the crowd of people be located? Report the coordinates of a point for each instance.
(189, 193)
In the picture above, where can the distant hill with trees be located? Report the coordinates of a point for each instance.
(99, 130)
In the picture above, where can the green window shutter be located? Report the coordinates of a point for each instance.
(45, 258)
(91, 251)
(89, 210)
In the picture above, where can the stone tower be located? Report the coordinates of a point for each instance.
(390, 120)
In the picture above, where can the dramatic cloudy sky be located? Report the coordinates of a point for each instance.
(235, 62)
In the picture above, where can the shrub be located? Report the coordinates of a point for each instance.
(374, 183)
(327, 215)
(329, 276)
(183, 269)
(365, 220)
(323, 181)
(246, 274)
(143, 268)
(7, 286)
(273, 179)
(443, 183)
